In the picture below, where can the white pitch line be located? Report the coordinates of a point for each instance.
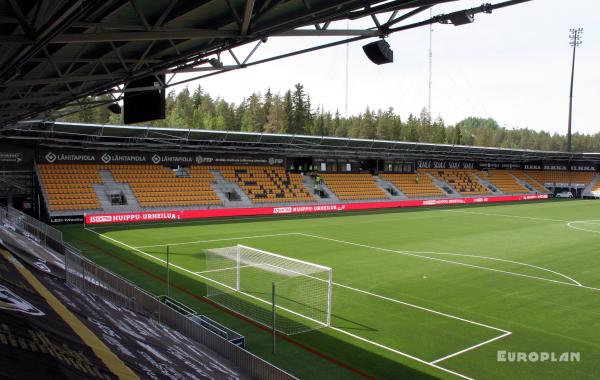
(409, 253)
(222, 269)
(506, 216)
(401, 353)
(500, 260)
(199, 275)
(333, 328)
(570, 225)
(471, 348)
(422, 308)
(216, 240)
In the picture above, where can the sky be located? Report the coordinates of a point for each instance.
(513, 65)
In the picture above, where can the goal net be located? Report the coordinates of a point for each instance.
(241, 278)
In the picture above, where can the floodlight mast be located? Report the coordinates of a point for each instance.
(574, 41)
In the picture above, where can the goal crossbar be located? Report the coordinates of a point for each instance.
(304, 290)
(324, 268)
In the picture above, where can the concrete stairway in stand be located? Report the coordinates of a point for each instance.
(444, 186)
(309, 182)
(221, 187)
(109, 186)
(488, 185)
(386, 186)
(587, 192)
(524, 183)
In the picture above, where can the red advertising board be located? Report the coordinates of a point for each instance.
(149, 216)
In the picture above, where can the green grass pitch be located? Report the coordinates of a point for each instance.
(418, 294)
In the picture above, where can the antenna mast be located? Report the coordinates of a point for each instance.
(347, 57)
(430, 63)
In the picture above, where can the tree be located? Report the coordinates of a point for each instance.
(412, 129)
(300, 110)
(288, 109)
(266, 108)
(438, 132)
(425, 130)
(197, 96)
(367, 129)
(251, 121)
(292, 113)
(385, 125)
(456, 138)
(318, 124)
(276, 119)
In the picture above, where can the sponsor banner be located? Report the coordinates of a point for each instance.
(16, 155)
(283, 210)
(532, 167)
(555, 167)
(66, 219)
(64, 156)
(499, 165)
(584, 168)
(429, 164)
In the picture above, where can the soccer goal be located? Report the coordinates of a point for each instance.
(241, 278)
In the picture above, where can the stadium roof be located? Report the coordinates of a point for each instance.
(55, 53)
(62, 134)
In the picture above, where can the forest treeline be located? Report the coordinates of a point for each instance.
(292, 112)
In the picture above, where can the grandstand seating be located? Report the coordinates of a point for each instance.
(504, 181)
(70, 186)
(464, 181)
(267, 184)
(413, 185)
(158, 186)
(522, 175)
(561, 176)
(353, 186)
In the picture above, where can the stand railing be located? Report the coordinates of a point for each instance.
(92, 278)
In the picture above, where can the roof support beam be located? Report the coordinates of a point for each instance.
(83, 78)
(191, 34)
(247, 16)
(185, 34)
(23, 22)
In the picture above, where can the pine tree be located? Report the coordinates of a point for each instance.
(288, 109)
(411, 130)
(251, 120)
(299, 112)
(438, 132)
(197, 96)
(276, 118)
(384, 125)
(367, 125)
(456, 136)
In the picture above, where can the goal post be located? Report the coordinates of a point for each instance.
(240, 278)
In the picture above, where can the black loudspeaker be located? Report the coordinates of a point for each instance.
(144, 105)
(379, 52)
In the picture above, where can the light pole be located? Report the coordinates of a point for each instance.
(574, 41)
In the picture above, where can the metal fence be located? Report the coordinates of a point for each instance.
(46, 235)
(91, 278)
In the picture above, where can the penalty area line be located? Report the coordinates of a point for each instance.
(331, 327)
(430, 364)
(507, 216)
(471, 348)
(415, 254)
(217, 240)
